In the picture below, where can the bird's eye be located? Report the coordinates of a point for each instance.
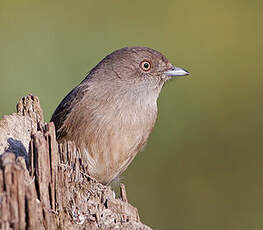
(145, 65)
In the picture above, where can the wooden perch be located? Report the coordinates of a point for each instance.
(44, 185)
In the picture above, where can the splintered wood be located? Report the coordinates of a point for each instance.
(44, 185)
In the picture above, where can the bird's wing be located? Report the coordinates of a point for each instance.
(64, 109)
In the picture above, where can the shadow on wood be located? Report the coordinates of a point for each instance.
(44, 185)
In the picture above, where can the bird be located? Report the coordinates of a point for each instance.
(111, 113)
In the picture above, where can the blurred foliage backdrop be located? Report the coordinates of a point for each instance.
(202, 168)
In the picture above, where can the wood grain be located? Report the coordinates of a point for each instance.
(44, 185)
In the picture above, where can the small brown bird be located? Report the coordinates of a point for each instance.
(111, 113)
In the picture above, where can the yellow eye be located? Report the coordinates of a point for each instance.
(145, 65)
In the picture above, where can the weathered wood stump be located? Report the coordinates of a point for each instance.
(44, 185)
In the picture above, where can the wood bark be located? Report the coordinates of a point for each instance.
(44, 185)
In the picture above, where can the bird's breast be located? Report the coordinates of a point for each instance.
(118, 136)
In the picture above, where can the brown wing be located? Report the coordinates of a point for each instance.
(63, 109)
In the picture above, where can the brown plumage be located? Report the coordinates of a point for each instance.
(112, 112)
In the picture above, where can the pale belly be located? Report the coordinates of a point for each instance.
(112, 151)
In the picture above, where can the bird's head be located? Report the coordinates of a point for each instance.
(136, 67)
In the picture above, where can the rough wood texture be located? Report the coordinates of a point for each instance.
(44, 185)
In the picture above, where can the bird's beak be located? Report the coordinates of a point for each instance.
(175, 71)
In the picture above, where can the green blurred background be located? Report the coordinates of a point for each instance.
(202, 168)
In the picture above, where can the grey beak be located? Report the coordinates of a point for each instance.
(175, 71)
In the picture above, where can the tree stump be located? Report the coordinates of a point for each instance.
(44, 185)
